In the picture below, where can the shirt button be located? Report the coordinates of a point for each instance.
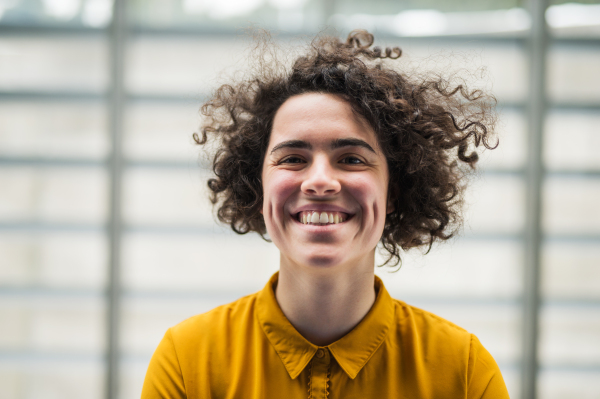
(320, 353)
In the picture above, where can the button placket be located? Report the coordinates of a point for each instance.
(319, 378)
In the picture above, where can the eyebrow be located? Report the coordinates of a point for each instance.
(292, 144)
(351, 142)
(337, 143)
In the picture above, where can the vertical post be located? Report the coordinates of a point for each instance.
(116, 104)
(537, 50)
(329, 8)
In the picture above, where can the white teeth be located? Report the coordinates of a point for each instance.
(323, 218)
(320, 218)
(315, 218)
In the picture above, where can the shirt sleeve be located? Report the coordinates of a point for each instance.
(164, 378)
(484, 379)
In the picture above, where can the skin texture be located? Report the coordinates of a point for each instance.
(323, 157)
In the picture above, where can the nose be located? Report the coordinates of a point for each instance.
(321, 178)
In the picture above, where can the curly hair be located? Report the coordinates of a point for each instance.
(428, 130)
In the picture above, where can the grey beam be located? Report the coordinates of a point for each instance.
(537, 51)
(118, 34)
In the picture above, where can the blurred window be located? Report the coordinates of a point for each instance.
(55, 146)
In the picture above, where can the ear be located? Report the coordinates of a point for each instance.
(391, 207)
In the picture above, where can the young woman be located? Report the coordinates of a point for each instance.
(329, 159)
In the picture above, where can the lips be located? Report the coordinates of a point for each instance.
(321, 217)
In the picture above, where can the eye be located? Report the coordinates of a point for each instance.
(291, 160)
(352, 160)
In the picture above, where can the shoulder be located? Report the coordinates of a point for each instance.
(189, 349)
(215, 322)
(432, 339)
(428, 325)
(453, 352)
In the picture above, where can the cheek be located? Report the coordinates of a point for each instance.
(277, 188)
(369, 192)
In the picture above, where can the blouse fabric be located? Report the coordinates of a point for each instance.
(248, 349)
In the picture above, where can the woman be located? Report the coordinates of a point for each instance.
(329, 159)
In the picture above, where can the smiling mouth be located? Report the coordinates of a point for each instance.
(321, 218)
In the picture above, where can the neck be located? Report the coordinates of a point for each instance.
(324, 304)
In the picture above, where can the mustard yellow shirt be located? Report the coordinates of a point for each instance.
(248, 349)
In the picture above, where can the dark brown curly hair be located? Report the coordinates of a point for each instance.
(427, 128)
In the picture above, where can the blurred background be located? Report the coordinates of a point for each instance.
(107, 238)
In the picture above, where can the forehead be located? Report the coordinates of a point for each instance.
(319, 117)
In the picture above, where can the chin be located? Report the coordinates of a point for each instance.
(323, 258)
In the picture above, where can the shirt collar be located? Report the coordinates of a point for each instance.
(351, 352)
